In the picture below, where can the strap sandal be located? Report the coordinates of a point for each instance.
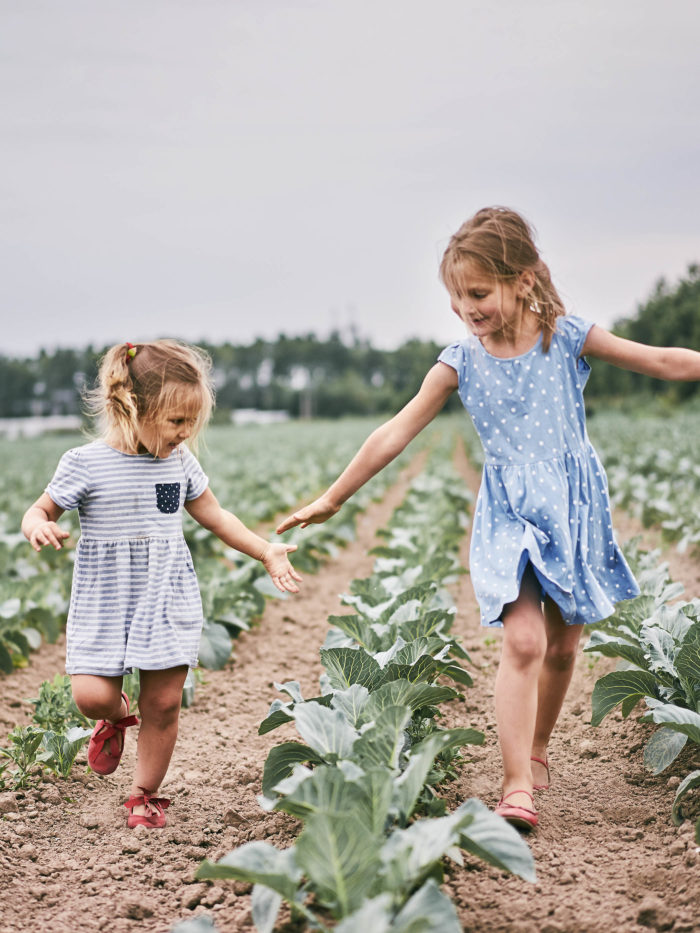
(522, 817)
(541, 761)
(107, 742)
(154, 817)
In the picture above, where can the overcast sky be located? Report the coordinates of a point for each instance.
(226, 169)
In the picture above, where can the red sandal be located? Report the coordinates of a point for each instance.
(522, 817)
(541, 761)
(101, 757)
(154, 817)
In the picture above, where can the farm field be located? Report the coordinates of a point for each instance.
(607, 855)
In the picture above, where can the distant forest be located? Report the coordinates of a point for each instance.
(310, 377)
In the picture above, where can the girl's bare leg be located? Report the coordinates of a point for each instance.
(554, 680)
(159, 709)
(516, 692)
(98, 697)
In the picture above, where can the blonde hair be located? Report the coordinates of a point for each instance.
(136, 384)
(502, 243)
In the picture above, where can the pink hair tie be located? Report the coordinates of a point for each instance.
(130, 351)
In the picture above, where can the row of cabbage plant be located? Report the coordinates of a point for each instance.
(656, 638)
(364, 779)
(35, 588)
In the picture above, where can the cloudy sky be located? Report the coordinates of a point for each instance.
(226, 169)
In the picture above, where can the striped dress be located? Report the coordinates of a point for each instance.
(135, 602)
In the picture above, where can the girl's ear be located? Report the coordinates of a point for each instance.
(526, 282)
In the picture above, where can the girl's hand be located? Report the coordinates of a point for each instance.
(276, 562)
(314, 514)
(47, 533)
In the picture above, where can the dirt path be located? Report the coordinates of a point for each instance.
(608, 857)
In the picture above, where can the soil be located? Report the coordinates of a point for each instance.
(608, 857)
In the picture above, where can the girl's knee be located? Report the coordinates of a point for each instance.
(97, 697)
(525, 645)
(561, 657)
(161, 709)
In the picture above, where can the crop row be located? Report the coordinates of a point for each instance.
(256, 473)
(363, 780)
(656, 638)
(653, 467)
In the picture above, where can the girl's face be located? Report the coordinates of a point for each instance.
(170, 429)
(487, 306)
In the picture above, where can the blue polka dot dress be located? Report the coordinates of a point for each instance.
(544, 495)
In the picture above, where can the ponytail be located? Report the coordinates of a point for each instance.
(136, 383)
(113, 401)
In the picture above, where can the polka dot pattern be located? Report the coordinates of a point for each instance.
(544, 494)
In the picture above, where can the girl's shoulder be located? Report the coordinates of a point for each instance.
(574, 330)
(457, 354)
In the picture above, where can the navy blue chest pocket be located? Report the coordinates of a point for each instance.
(168, 497)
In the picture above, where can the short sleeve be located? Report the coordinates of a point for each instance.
(71, 481)
(455, 357)
(575, 330)
(197, 479)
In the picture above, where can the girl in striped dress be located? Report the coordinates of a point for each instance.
(135, 602)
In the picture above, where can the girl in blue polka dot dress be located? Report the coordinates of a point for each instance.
(543, 557)
(135, 601)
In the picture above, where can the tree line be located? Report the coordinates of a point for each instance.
(308, 376)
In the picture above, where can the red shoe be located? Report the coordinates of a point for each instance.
(541, 761)
(522, 817)
(102, 757)
(154, 817)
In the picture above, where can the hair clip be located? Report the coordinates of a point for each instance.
(130, 351)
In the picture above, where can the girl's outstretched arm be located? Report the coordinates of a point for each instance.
(205, 510)
(380, 448)
(676, 363)
(39, 524)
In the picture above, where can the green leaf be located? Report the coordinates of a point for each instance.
(662, 749)
(33, 637)
(613, 647)
(374, 916)
(620, 687)
(351, 702)
(382, 743)
(257, 863)
(280, 763)
(688, 657)
(346, 666)
(358, 629)
(678, 718)
(340, 860)
(326, 730)
(427, 911)
(494, 840)
(325, 790)
(265, 906)
(409, 784)
(661, 649)
(405, 693)
(215, 646)
(410, 855)
(688, 783)
(6, 665)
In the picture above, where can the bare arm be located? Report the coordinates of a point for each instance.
(675, 363)
(381, 447)
(207, 511)
(39, 524)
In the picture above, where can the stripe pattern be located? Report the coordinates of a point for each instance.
(135, 601)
